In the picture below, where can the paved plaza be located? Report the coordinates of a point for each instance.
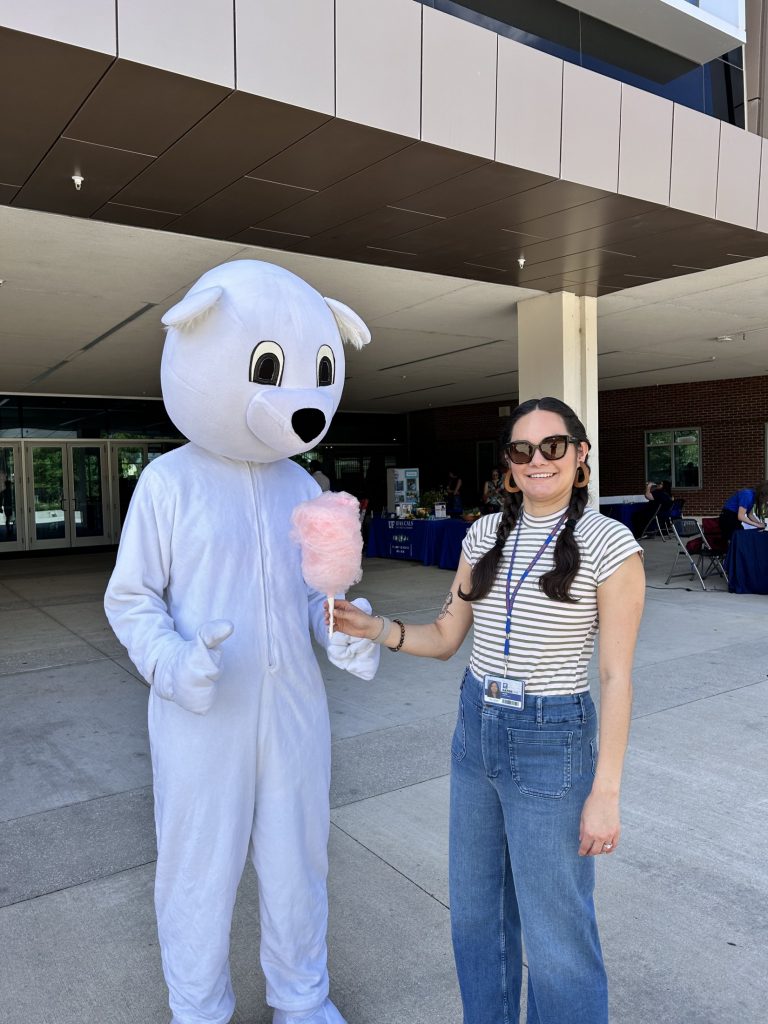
(683, 904)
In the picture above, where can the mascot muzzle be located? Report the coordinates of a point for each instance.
(281, 419)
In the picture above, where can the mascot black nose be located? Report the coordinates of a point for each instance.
(307, 423)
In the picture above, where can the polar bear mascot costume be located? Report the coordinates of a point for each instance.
(208, 597)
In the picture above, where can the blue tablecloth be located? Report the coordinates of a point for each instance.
(431, 541)
(624, 512)
(747, 562)
(450, 549)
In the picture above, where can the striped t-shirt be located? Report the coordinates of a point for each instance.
(552, 641)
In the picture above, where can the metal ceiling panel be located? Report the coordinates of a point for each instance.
(335, 150)
(42, 84)
(142, 108)
(241, 204)
(381, 182)
(240, 133)
(105, 172)
(485, 184)
(119, 213)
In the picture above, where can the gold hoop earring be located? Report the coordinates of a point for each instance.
(582, 475)
(509, 486)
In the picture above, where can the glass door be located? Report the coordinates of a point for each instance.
(11, 526)
(128, 461)
(87, 497)
(66, 493)
(48, 501)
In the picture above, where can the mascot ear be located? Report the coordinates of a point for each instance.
(192, 307)
(351, 328)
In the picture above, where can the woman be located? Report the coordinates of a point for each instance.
(531, 802)
(453, 505)
(661, 496)
(749, 505)
(493, 493)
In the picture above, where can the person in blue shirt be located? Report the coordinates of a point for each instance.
(748, 505)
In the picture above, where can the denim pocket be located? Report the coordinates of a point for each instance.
(459, 741)
(540, 761)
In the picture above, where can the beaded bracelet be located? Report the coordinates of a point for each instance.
(402, 636)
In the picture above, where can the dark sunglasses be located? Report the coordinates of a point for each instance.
(552, 448)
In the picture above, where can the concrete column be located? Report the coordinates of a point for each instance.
(557, 356)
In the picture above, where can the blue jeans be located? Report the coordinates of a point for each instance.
(519, 780)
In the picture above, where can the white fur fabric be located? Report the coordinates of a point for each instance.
(208, 597)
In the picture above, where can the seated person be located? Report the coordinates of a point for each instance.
(748, 505)
(493, 493)
(660, 494)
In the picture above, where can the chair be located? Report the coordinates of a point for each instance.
(657, 526)
(661, 520)
(694, 547)
(710, 527)
(675, 512)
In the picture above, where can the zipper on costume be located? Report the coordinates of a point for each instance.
(256, 488)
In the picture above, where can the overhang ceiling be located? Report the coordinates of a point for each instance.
(159, 150)
(81, 303)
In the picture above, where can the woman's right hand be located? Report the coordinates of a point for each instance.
(349, 619)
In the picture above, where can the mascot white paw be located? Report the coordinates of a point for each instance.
(188, 674)
(325, 1014)
(353, 654)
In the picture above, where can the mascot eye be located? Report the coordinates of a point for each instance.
(326, 366)
(267, 364)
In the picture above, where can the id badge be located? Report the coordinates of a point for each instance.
(503, 691)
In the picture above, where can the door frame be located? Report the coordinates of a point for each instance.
(105, 536)
(68, 502)
(19, 495)
(115, 526)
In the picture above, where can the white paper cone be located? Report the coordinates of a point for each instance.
(330, 612)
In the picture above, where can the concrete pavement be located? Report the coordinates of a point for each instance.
(683, 904)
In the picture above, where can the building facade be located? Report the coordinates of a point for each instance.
(542, 148)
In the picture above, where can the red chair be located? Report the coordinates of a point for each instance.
(693, 545)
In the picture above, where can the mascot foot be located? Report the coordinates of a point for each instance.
(325, 1014)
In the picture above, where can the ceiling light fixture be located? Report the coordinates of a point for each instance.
(78, 180)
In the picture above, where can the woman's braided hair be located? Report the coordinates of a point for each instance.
(557, 582)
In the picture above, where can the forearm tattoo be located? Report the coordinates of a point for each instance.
(446, 606)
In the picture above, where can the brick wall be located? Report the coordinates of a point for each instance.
(730, 413)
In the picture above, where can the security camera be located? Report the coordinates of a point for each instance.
(521, 261)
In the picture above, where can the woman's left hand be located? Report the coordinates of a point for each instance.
(600, 828)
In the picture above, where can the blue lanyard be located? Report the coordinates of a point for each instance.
(511, 596)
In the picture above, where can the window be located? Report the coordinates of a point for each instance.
(674, 455)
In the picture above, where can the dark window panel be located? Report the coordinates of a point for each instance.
(735, 57)
(367, 428)
(10, 418)
(547, 19)
(688, 89)
(724, 92)
(630, 53)
(562, 44)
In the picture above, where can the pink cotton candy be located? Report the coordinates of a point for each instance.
(327, 529)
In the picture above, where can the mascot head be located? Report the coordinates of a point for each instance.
(253, 363)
